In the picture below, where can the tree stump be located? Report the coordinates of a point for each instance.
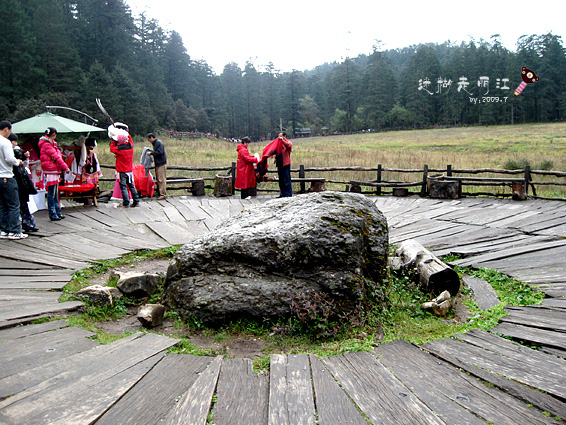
(434, 276)
(223, 185)
(317, 186)
(197, 188)
(356, 188)
(519, 192)
(400, 191)
(444, 189)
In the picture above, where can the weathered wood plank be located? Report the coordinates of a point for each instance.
(10, 265)
(20, 354)
(533, 336)
(193, 408)
(17, 278)
(242, 395)
(98, 250)
(484, 294)
(84, 393)
(76, 404)
(25, 331)
(383, 398)
(290, 391)
(536, 318)
(475, 236)
(544, 402)
(173, 233)
(332, 404)
(48, 272)
(454, 396)
(510, 252)
(28, 255)
(467, 250)
(553, 371)
(141, 231)
(36, 374)
(22, 297)
(157, 393)
(13, 318)
(51, 248)
(110, 237)
(523, 370)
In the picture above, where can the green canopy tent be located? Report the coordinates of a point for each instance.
(39, 124)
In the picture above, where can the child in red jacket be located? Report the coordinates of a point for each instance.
(122, 146)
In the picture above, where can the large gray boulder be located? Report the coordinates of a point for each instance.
(255, 263)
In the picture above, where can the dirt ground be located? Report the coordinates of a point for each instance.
(232, 346)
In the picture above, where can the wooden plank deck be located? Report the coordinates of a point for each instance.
(52, 373)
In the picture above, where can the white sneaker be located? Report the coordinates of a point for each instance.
(3, 235)
(17, 235)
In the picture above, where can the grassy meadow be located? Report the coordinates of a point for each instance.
(543, 146)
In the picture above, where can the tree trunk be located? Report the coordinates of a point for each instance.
(434, 276)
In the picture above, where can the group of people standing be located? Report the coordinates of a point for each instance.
(251, 169)
(14, 194)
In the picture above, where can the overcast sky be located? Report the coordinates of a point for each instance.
(301, 34)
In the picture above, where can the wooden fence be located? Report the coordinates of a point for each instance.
(415, 180)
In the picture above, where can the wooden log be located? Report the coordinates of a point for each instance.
(434, 276)
(223, 185)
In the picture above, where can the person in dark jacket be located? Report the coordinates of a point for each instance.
(25, 186)
(160, 159)
(245, 172)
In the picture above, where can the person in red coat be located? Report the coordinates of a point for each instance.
(122, 146)
(245, 172)
(52, 164)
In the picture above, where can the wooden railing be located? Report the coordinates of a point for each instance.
(416, 178)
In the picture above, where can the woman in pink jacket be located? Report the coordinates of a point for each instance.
(52, 164)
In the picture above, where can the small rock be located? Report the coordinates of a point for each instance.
(151, 315)
(138, 285)
(441, 309)
(98, 295)
(440, 305)
(445, 295)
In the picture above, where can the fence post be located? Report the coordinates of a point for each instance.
(425, 175)
(527, 179)
(449, 170)
(378, 180)
(233, 172)
(302, 176)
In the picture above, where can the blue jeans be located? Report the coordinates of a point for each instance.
(285, 185)
(53, 205)
(127, 182)
(9, 206)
